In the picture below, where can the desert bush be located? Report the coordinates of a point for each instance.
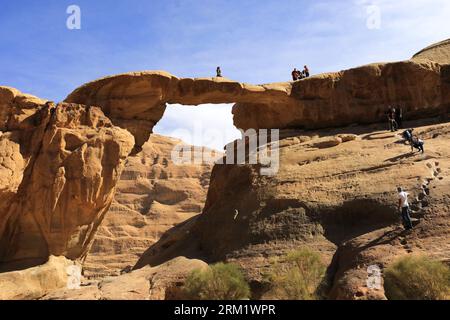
(299, 275)
(417, 278)
(220, 282)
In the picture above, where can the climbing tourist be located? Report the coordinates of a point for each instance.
(393, 126)
(408, 135)
(218, 72)
(403, 207)
(306, 72)
(418, 144)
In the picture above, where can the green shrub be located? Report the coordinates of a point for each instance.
(417, 278)
(297, 276)
(220, 282)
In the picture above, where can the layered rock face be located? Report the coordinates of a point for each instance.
(438, 52)
(60, 165)
(336, 192)
(153, 195)
(136, 101)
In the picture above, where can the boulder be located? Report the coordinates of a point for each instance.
(34, 283)
(163, 282)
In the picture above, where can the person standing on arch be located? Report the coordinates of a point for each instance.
(306, 71)
(295, 74)
(218, 72)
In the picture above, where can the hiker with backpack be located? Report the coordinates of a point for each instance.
(413, 140)
(408, 135)
(418, 144)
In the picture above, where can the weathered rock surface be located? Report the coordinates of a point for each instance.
(59, 167)
(340, 200)
(136, 101)
(335, 190)
(34, 283)
(153, 195)
(438, 52)
(158, 283)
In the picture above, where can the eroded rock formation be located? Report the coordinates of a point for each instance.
(60, 166)
(136, 101)
(335, 190)
(338, 199)
(153, 195)
(438, 52)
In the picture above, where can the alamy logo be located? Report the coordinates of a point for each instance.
(74, 20)
(374, 277)
(373, 17)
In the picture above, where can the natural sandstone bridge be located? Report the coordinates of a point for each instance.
(137, 101)
(65, 162)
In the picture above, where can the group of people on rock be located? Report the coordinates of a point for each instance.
(298, 75)
(395, 119)
(413, 140)
(395, 122)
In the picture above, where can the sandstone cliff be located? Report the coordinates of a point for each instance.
(337, 198)
(59, 168)
(153, 195)
(335, 190)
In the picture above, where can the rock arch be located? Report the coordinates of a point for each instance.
(75, 153)
(137, 101)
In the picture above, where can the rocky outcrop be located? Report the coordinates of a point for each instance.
(438, 52)
(136, 101)
(153, 195)
(34, 283)
(339, 199)
(60, 166)
(159, 283)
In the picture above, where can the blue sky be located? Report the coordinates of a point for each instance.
(256, 41)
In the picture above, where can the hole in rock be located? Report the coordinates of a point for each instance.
(206, 125)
